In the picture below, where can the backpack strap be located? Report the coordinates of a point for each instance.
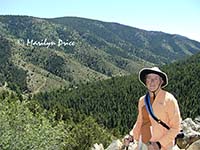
(150, 111)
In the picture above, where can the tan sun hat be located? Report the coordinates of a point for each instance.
(155, 70)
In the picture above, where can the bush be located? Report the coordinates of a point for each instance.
(21, 129)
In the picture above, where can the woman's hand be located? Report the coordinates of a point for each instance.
(128, 139)
(153, 146)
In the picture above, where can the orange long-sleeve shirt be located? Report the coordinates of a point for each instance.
(165, 108)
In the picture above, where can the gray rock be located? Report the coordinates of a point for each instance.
(115, 145)
(191, 130)
(195, 146)
(97, 147)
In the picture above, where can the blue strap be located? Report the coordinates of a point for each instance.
(148, 105)
(150, 111)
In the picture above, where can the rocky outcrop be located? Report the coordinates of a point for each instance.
(97, 147)
(191, 140)
(192, 133)
(116, 144)
(194, 146)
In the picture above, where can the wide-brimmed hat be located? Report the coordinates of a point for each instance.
(155, 70)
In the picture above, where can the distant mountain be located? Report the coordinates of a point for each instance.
(151, 46)
(43, 54)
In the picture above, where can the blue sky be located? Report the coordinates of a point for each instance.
(170, 16)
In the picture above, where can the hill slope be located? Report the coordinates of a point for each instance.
(59, 52)
(113, 102)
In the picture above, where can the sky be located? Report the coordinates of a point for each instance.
(169, 16)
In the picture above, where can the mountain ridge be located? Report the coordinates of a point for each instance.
(99, 51)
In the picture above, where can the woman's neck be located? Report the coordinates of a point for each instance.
(154, 93)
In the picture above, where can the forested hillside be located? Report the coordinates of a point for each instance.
(113, 102)
(26, 125)
(10, 73)
(184, 84)
(45, 54)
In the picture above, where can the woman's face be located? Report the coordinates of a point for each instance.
(153, 82)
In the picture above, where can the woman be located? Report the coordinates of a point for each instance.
(165, 107)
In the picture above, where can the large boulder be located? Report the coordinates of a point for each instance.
(97, 147)
(192, 132)
(194, 146)
(115, 145)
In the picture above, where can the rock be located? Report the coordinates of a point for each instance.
(97, 147)
(197, 121)
(191, 130)
(175, 148)
(189, 124)
(195, 146)
(115, 145)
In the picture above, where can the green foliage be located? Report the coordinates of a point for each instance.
(92, 134)
(113, 103)
(16, 77)
(27, 126)
(21, 129)
(184, 84)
